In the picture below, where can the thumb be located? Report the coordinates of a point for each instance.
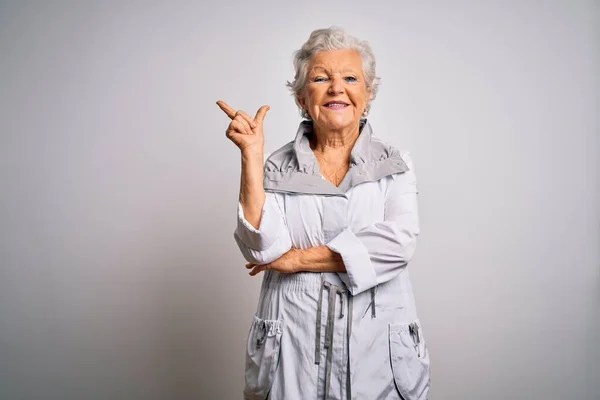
(260, 114)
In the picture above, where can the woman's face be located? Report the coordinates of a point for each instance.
(335, 94)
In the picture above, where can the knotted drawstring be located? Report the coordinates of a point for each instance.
(318, 327)
(328, 344)
(349, 331)
(333, 291)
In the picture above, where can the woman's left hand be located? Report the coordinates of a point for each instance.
(288, 263)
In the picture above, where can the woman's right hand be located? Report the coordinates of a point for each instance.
(246, 132)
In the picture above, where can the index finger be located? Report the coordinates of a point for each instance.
(226, 109)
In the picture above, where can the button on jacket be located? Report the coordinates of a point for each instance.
(351, 335)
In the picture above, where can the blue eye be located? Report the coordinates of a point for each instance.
(319, 79)
(350, 79)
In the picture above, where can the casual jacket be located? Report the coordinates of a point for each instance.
(351, 335)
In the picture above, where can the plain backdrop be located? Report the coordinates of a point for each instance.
(119, 275)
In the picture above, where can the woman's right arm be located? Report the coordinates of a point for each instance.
(261, 232)
(252, 193)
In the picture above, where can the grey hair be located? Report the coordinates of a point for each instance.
(332, 38)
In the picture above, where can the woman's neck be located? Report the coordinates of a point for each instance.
(334, 141)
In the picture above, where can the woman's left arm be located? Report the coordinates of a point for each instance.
(373, 255)
(313, 259)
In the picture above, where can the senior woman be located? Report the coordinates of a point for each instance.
(331, 219)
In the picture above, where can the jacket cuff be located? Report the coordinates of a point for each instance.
(360, 274)
(262, 238)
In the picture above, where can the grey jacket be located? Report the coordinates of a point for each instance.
(351, 335)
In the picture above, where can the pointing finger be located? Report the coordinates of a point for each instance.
(226, 109)
(260, 114)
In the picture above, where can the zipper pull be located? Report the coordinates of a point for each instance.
(262, 334)
(414, 331)
(417, 334)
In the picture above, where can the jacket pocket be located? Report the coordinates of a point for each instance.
(262, 357)
(410, 360)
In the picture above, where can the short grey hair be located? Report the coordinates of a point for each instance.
(332, 38)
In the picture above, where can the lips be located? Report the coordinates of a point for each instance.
(336, 104)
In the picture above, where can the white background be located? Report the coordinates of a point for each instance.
(119, 275)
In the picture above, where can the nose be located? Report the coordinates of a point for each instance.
(336, 86)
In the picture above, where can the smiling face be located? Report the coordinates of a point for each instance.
(335, 94)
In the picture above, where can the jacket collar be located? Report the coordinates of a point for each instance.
(306, 157)
(370, 160)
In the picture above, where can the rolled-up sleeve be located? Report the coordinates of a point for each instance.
(379, 252)
(271, 240)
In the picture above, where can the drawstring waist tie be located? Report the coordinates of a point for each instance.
(334, 290)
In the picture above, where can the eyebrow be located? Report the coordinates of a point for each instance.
(320, 68)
